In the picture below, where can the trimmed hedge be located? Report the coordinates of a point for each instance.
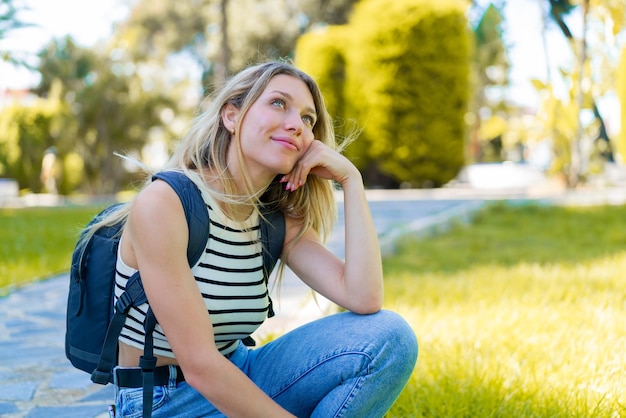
(406, 84)
(320, 52)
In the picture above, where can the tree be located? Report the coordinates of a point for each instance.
(10, 22)
(559, 8)
(490, 68)
(222, 36)
(584, 94)
(27, 132)
(114, 108)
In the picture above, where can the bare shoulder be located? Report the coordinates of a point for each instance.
(293, 226)
(157, 198)
(157, 215)
(294, 238)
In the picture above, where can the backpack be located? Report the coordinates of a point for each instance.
(94, 323)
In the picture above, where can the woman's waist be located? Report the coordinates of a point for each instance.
(129, 357)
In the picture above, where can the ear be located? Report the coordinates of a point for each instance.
(230, 113)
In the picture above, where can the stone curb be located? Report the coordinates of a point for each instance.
(430, 225)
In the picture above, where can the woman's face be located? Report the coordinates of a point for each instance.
(278, 128)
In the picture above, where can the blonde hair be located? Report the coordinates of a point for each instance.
(207, 142)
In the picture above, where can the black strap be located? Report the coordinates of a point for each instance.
(147, 362)
(198, 225)
(133, 378)
(195, 211)
(133, 296)
(272, 239)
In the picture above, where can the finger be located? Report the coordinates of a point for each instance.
(314, 156)
(293, 179)
(298, 174)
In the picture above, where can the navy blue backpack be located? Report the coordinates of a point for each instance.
(94, 322)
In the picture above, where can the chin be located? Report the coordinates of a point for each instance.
(283, 168)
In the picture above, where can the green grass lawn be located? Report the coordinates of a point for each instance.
(38, 242)
(521, 314)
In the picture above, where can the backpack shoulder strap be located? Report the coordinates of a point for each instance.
(272, 222)
(134, 295)
(198, 224)
(272, 239)
(195, 211)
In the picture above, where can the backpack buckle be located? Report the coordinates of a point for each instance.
(147, 364)
(124, 303)
(100, 377)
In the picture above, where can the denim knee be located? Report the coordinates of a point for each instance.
(395, 334)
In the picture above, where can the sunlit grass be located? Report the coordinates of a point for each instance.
(521, 314)
(37, 242)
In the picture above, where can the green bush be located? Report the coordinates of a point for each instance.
(27, 133)
(411, 60)
(406, 84)
(321, 53)
(23, 142)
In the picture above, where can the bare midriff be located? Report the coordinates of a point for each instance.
(129, 357)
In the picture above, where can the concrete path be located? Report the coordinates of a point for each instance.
(37, 381)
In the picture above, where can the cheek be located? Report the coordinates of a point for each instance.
(308, 139)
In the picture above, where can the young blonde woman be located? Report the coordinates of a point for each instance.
(267, 134)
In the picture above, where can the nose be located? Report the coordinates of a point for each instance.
(294, 123)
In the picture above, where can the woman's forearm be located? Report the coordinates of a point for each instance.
(232, 392)
(363, 273)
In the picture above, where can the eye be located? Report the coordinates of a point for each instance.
(308, 120)
(278, 103)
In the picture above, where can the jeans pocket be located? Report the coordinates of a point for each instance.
(130, 401)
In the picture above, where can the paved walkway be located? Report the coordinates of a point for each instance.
(37, 381)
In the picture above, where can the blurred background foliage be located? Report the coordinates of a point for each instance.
(621, 92)
(400, 70)
(422, 81)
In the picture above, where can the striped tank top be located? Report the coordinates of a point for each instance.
(229, 275)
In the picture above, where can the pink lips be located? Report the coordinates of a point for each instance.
(286, 142)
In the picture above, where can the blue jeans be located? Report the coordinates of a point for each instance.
(343, 365)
